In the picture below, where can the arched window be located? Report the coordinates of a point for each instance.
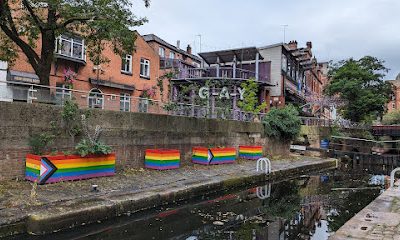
(96, 99)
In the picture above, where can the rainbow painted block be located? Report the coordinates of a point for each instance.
(162, 159)
(52, 169)
(213, 156)
(250, 152)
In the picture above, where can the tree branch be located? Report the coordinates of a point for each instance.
(35, 18)
(28, 51)
(76, 19)
(12, 33)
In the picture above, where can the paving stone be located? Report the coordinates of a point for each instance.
(19, 203)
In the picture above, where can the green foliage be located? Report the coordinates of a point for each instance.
(40, 143)
(171, 106)
(101, 23)
(392, 118)
(282, 123)
(70, 116)
(160, 81)
(8, 50)
(86, 147)
(250, 101)
(91, 144)
(360, 84)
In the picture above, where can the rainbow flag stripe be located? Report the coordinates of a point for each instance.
(213, 156)
(250, 152)
(200, 155)
(69, 167)
(162, 159)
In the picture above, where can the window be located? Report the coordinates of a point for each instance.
(126, 66)
(72, 47)
(143, 105)
(161, 52)
(144, 68)
(62, 94)
(125, 102)
(284, 63)
(96, 99)
(172, 55)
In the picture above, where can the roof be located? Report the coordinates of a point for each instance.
(155, 38)
(272, 46)
(241, 54)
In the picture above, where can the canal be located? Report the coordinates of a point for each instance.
(308, 207)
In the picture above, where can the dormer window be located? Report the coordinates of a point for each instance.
(71, 48)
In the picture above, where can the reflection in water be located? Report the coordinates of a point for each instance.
(305, 208)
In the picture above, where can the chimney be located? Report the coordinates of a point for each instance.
(189, 49)
(178, 44)
(309, 45)
(292, 45)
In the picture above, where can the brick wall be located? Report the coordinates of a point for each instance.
(128, 133)
(111, 71)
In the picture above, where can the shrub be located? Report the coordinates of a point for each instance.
(282, 123)
(392, 118)
(250, 101)
(40, 142)
(86, 147)
(91, 144)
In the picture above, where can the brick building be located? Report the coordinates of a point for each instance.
(227, 69)
(172, 58)
(394, 103)
(296, 75)
(109, 86)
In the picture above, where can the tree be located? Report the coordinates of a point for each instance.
(250, 101)
(282, 123)
(101, 23)
(360, 84)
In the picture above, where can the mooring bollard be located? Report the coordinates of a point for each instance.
(264, 164)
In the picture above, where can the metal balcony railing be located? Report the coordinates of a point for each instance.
(221, 72)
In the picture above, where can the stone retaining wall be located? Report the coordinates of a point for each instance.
(128, 133)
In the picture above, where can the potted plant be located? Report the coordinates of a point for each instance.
(213, 155)
(69, 78)
(92, 159)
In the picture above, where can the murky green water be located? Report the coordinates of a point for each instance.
(310, 207)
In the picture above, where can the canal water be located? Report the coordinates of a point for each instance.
(308, 207)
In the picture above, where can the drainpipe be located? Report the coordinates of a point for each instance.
(257, 64)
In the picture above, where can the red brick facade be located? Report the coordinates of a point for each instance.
(110, 72)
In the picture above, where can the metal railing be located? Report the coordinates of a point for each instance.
(263, 164)
(221, 72)
(38, 94)
(313, 121)
(392, 177)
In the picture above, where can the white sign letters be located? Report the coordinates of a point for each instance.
(204, 92)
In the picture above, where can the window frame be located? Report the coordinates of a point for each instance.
(172, 55)
(63, 92)
(143, 64)
(73, 41)
(127, 58)
(96, 92)
(125, 102)
(161, 52)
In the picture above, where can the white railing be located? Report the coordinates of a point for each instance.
(264, 192)
(264, 165)
(392, 176)
(39, 94)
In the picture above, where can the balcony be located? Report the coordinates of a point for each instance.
(216, 72)
(71, 49)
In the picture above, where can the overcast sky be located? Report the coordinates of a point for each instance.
(339, 29)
